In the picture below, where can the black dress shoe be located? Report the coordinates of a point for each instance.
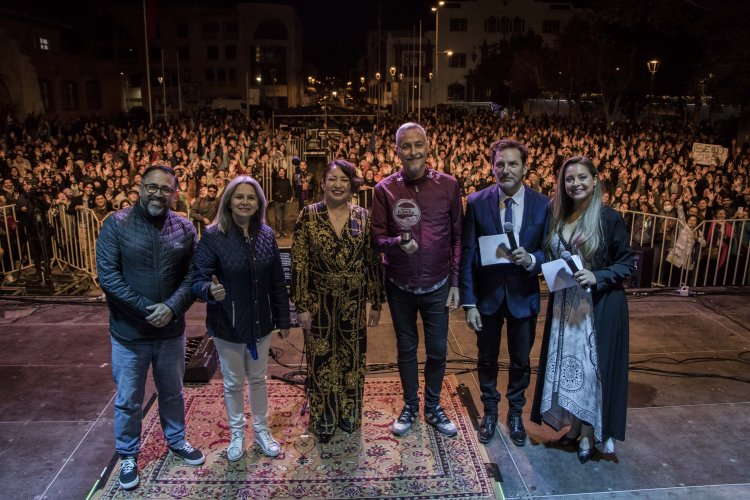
(324, 438)
(585, 455)
(516, 431)
(347, 427)
(487, 428)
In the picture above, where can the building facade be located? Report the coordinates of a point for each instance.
(250, 52)
(38, 77)
(438, 69)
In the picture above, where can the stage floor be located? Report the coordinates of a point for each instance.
(689, 400)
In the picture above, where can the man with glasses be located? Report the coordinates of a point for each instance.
(204, 209)
(143, 257)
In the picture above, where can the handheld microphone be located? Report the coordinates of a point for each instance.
(508, 228)
(568, 258)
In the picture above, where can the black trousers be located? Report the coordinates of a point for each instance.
(520, 333)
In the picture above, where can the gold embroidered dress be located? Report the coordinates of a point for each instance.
(333, 276)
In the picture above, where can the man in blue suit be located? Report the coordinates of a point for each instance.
(492, 294)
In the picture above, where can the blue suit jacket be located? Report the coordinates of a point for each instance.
(488, 286)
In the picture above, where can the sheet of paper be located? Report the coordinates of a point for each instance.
(558, 275)
(494, 249)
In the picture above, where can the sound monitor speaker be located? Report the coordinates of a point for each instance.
(201, 359)
(643, 258)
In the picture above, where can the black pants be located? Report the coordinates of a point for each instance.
(520, 333)
(41, 253)
(431, 307)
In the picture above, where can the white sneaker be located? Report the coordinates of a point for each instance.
(440, 421)
(236, 448)
(267, 443)
(405, 421)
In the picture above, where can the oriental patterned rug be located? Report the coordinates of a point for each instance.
(370, 463)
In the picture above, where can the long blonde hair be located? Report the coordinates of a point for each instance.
(588, 233)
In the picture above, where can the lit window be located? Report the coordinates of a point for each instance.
(43, 43)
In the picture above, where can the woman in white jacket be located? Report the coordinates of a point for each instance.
(684, 252)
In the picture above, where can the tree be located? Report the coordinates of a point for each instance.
(515, 65)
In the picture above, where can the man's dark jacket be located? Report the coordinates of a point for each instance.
(143, 260)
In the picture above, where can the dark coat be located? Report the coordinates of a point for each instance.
(141, 261)
(256, 299)
(281, 189)
(612, 264)
(487, 287)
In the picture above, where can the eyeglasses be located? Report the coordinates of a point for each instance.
(164, 190)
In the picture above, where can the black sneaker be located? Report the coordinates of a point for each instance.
(128, 473)
(404, 422)
(440, 421)
(190, 455)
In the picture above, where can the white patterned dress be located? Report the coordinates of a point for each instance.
(572, 386)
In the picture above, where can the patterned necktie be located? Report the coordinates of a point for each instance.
(509, 210)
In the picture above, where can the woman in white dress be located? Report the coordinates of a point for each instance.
(583, 370)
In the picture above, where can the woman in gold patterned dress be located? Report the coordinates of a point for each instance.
(335, 272)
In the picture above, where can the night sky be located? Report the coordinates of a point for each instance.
(340, 27)
(334, 30)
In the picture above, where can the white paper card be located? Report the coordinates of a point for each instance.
(494, 249)
(558, 275)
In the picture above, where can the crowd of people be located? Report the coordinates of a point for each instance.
(645, 168)
(451, 217)
(641, 165)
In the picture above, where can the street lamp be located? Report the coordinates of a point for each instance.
(448, 53)
(377, 99)
(392, 72)
(163, 84)
(163, 81)
(653, 67)
(436, 10)
(127, 90)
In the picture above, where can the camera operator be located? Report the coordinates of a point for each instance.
(31, 210)
(305, 184)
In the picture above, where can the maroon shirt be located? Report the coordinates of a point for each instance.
(431, 207)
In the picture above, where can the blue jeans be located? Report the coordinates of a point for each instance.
(130, 363)
(431, 307)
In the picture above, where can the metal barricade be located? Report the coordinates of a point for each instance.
(714, 253)
(725, 260)
(74, 239)
(13, 243)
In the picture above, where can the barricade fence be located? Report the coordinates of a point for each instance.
(713, 253)
(74, 238)
(12, 242)
(669, 253)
